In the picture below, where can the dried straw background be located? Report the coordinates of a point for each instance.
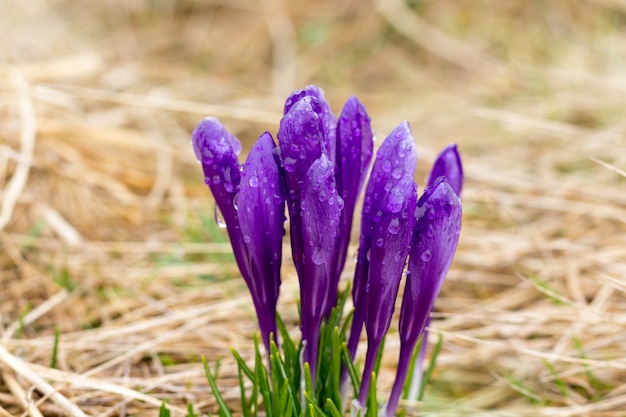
(106, 229)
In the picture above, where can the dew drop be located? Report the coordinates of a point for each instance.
(431, 213)
(394, 226)
(386, 165)
(396, 200)
(216, 179)
(403, 148)
(290, 164)
(397, 173)
(377, 216)
(253, 181)
(317, 256)
(426, 255)
(219, 218)
(236, 202)
(340, 203)
(380, 241)
(247, 239)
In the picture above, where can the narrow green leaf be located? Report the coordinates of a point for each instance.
(244, 367)
(372, 401)
(562, 386)
(55, 348)
(164, 411)
(190, 412)
(414, 356)
(352, 373)
(263, 380)
(308, 382)
(379, 356)
(224, 411)
(245, 410)
(334, 412)
(431, 367)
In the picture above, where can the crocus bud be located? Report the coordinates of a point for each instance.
(435, 238)
(448, 164)
(396, 158)
(386, 227)
(261, 210)
(321, 207)
(321, 108)
(354, 152)
(217, 150)
(301, 143)
(252, 204)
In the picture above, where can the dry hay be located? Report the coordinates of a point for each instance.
(107, 234)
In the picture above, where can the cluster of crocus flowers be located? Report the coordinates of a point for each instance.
(318, 171)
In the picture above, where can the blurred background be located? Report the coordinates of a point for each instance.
(107, 233)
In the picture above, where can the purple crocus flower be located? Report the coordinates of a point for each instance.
(306, 133)
(448, 164)
(435, 237)
(355, 143)
(387, 222)
(321, 208)
(252, 203)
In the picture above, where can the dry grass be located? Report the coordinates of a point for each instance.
(106, 229)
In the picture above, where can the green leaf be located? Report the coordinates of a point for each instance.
(190, 412)
(352, 373)
(334, 412)
(55, 348)
(164, 411)
(224, 411)
(262, 378)
(372, 402)
(411, 371)
(431, 367)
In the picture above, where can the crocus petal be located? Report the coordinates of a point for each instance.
(386, 216)
(391, 236)
(354, 153)
(217, 150)
(320, 106)
(261, 210)
(396, 158)
(321, 206)
(436, 235)
(435, 238)
(448, 164)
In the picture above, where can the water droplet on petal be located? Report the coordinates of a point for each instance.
(377, 216)
(426, 255)
(247, 239)
(216, 179)
(219, 218)
(340, 203)
(380, 241)
(403, 148)
(290, 164)
(394, 226)
(397, 173)
(386, 165)
(236, 202)
(253, 181)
